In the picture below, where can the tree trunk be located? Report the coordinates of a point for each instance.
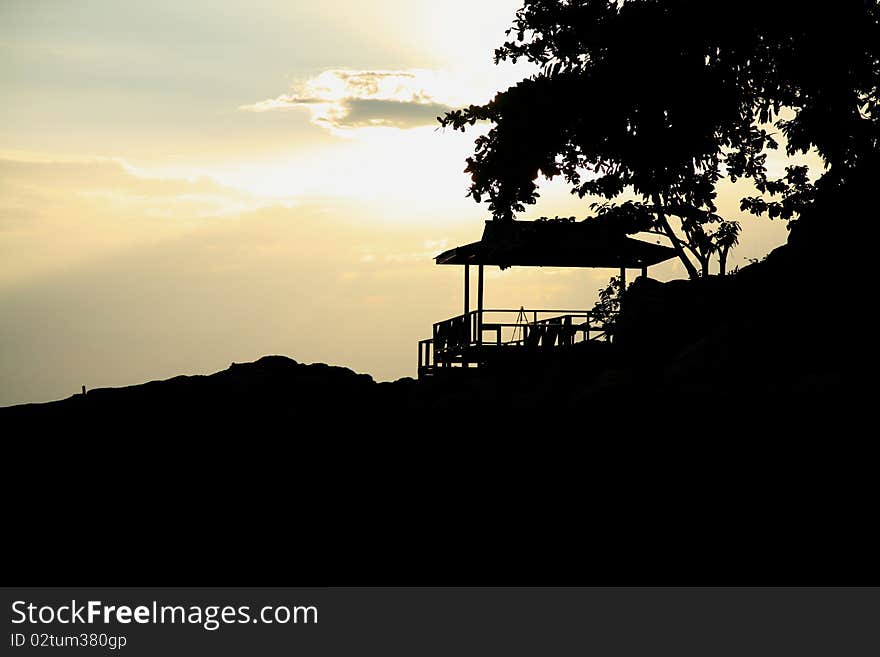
(722, 262)
(661, 216)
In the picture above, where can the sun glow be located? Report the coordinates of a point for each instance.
(403, 171)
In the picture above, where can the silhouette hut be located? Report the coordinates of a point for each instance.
(486, 337)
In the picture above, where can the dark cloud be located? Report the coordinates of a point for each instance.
(342, 99)
(369, 112)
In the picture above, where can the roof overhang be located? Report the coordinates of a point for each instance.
(555, 244)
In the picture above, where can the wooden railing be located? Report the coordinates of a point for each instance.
(508, 329)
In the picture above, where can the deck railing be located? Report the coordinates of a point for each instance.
(495, 329)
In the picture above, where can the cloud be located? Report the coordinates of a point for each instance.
(56, 213)
(390, 113)
(342, 99)
(40, 183)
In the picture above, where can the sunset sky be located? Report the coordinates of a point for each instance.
(188, 184)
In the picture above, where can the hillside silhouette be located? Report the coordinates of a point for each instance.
(697, 453)
(755, 342)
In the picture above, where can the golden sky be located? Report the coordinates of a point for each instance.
(188, 184)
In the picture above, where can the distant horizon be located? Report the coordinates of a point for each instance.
(187, 187)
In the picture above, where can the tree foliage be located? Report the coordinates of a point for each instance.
(663, 98)
(606, 309)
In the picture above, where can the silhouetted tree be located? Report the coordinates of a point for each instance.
(661, 98)
(606, 309)
(725, 238)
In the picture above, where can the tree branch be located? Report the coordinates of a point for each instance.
(676, 243)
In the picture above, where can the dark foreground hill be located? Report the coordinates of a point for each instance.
(273, 385)
(724, 443)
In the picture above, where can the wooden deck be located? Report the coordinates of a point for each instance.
(483, 338)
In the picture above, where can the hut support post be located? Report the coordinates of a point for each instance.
(467, 289)
(467, 311)
(480, 305)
